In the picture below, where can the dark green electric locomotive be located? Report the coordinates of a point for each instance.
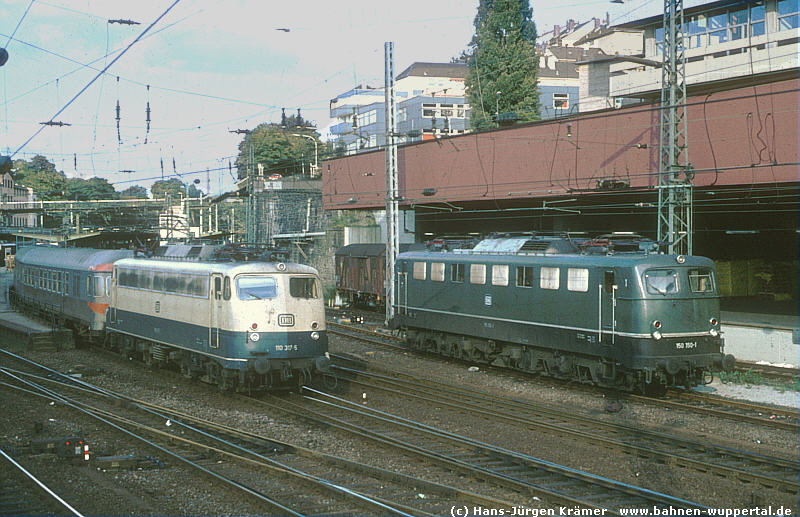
(619, 316)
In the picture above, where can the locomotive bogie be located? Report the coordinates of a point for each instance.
(630, 321)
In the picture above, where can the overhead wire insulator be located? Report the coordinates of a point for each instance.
(147, 119)
(119, 136)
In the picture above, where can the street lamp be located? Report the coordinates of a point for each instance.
(497, 103)
(315, 167)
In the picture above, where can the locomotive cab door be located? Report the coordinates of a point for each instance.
(607, 307)
(215, 310)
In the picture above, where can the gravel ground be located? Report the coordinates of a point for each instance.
(174, 491)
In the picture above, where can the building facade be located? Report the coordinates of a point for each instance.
(11, 192)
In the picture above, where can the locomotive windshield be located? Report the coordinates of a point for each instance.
(661, 281)
(303, 287)
(256, 287)
(701, 280)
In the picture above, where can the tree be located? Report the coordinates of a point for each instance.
(172, 187)
(134, 192)
(503, 65)
(277, 149)
(193, 191)
(41, 175)
(78, 189)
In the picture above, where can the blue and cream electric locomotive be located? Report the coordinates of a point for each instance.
(243, 325)
(634, 320)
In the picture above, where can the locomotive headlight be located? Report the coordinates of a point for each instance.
(656, 335)
(714, 322)
(680, 259)
(314, 325)
(254, 336)
(714, 332)
(315, 336)
(656, 324)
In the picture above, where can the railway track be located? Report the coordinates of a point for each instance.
(553, 483)
(771, 416)
(766, 471)
(22, 493)
(330, 485)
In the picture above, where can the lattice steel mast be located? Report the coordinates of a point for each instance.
(392, 237)
(675, 174)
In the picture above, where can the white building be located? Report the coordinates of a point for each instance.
(11, 192)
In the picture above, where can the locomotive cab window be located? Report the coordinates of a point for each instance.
(661, 281)
(457, 273)
(437, 271)
(420, 268)
(256, 287)
(303, 287)
(701, 280)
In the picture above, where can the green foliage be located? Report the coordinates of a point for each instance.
(754, 378)
(78, 189)
(503, 59)
(134, 192)
(41, 175)
(172, 187)
(193, 191)
(277, 149)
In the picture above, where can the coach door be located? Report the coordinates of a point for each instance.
(216, 310)
(607, 307)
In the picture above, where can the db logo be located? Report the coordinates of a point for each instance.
(286, 320)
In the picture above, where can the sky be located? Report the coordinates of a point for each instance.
(206, 68)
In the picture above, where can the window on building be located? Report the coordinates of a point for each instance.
(787, 14)
(457, 273)
(477, 274)
(499, 274)
(578, 279)
(437, 271)
(549, 277)
(560, 101)
(420, 270)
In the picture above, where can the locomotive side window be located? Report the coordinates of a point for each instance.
(437, 271)
(701, 280)
(499, 274)
(549, 278)
(226, 289)
(577, 279)
(457, 273)
(303, 287)
(609, 279)
(217, 288)
(477, 274)
(256, 287)
(524, 276)
(661, 281)
(420, 268)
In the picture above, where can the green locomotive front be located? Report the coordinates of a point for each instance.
(636, 321)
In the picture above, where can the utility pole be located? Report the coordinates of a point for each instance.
(250, 212)
(674, 174)
(392, 238)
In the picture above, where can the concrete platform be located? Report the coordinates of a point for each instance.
(762, 338)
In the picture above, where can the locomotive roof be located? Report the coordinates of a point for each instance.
(180, 266)
(68, 258)
(621, 260)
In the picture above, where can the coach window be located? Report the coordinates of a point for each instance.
(548, 278)
(437, 271)
(524, 276)
(577, 279)
(420, 270)
(457, 273)
(701, 280)
(159, 281)
(499, 274)
(477, 274)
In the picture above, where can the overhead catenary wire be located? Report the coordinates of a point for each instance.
(99, 74)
